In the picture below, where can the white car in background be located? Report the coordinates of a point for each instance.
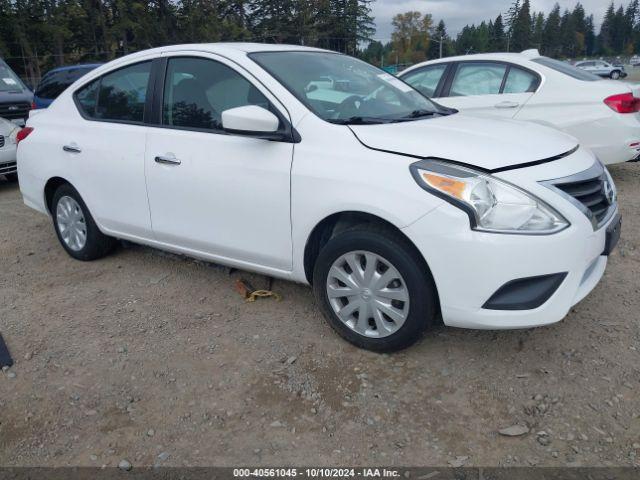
(8, 133)
(602, 69)
(602, 114)
(316, 167)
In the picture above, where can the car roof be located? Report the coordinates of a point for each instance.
(507, 57)
(229, 48)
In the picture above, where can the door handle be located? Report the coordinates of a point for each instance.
(167, 160)
(508, 105)
(72, 148)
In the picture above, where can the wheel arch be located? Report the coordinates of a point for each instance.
(339, 222)
(50, 189)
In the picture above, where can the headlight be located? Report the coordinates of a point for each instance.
(493, 205)
(12, 136)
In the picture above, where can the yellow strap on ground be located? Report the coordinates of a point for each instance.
(262, 294)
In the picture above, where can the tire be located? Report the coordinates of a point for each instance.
(11, 177)
(615, 75)
(414, 281)
(96, 244)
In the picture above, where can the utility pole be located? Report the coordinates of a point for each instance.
(441, 42)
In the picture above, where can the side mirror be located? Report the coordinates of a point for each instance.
(250, 120)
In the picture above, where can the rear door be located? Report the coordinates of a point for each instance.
(488, 88)
(105, 146)
(603, 69)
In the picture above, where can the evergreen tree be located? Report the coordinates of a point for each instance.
(521, 28)
(498, 41)
(589, 36)
(551, 39)
(537, 37)
(440, 42)
(606, 37)
(567, 35)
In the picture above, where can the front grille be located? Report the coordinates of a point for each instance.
(1, 141)
(591, 194)
(591, 191)
(10, 167)
(14, 111)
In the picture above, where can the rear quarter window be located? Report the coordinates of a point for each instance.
(117, 96)
(567, 69)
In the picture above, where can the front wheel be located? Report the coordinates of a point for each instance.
(374, 289)
(615, 75)
(78, 233)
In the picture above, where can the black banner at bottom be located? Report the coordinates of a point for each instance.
(321, 473)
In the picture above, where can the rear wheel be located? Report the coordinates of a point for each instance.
(78, 233)
(615, 75)
(11, 177)
(374, 289)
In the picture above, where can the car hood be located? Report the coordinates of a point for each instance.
(484, 143)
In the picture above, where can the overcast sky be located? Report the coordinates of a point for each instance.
(458, 13)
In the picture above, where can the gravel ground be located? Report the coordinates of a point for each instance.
(156, 360)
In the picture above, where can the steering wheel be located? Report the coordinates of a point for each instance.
(350, 106)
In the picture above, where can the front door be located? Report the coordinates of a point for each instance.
(224, 195)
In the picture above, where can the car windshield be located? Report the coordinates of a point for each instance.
(9, 81)
(567, 69)
(341, 89)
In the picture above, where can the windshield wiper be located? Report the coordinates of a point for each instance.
(416, 114)
(422, 113)
(357, 120)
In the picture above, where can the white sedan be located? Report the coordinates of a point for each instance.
(315, 167)
(8, 134)
(603, 115)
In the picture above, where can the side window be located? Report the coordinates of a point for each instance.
(86, 98)
(520, 81)
(478, 78)
(426, 80)
(122, 94)
(197, 91)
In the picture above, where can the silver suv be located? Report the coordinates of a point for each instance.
(603, 69)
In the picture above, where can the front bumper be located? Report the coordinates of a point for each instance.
(469, 266)
(8, 160)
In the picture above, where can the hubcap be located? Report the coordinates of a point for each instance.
(71, 223)
(368, 294)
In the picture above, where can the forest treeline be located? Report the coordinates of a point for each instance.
(559, 33)
(36, 35)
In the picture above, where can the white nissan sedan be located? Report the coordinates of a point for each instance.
(604, 115)
(315, 167)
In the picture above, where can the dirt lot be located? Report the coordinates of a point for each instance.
(156, 359)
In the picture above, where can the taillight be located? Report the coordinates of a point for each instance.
(33, 106)
(623, 103)
(22, 134)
